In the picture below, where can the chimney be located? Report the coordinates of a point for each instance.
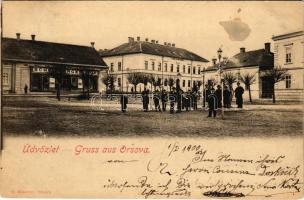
(242, 50)
(33, 37)
(173, 44)
(169, 44)
(214, 61)
(156, 41)
(267, 47)
(138, 38)
(147, 39)
(130, 39)
(152, 41)
(18, 36)
(165, 43)
(92, 44)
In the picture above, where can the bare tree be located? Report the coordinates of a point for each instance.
(248, 79)
(275, 75)
(134, 79)
(109, 81)
(171, 83)
(229, 79)
(145, 79)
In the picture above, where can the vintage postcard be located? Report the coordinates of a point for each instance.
(152, 99)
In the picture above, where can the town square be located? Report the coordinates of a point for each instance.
(239, 82)
(152, 99)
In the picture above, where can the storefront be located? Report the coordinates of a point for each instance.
(71, 68)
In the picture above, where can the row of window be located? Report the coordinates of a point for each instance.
(118, 67)
(171, 68)
(159, 68)
(166, 82)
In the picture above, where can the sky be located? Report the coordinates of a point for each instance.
(193, 25)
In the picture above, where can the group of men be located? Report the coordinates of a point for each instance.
(214, 98)
(183, 100)
(188, 100)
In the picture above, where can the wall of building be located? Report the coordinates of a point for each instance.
(295, 92)
(295, 46)
(15, 77)
(255, 87)
(136, 63)
(7, 77)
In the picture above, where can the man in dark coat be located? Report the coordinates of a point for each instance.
(239, 91)
(25, 88)
(123, 102)
(194, 100)
(164, 99)
(206, 93)
(212, 103)
(189, 102)
(185, 101)
(145, 99)
(227, 94)
(178, 95)
(218, 93)
(172, 99)
(156, 98)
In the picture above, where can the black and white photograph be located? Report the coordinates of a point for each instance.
(203, 99)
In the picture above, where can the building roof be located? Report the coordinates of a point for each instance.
(258, 57)
(47, 52)
(154, 49)
(287, 35)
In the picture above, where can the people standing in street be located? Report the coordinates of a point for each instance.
(156, 99)
(172, 99)
(185, 101)
(178, 94)
(25, 89)
(164, 99)
(239, 91)
(145, 99)
(189, 102)
(227, 94)
(194, 100)
(123, 102)
(218, 93)
(206, 93)
(212, 103)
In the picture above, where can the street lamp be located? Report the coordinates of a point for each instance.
(204, 98)
(220, 69)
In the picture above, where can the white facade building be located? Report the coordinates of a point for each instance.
(163, 61)
(289, 54)
(247, 62)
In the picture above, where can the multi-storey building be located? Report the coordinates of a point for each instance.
(254, 63)
(40, 66)
(289, 54)
(163, 61)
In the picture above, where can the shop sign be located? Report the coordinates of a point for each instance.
(80, 86)
(52, 83)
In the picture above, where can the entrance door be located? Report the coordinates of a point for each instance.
(267, 87)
